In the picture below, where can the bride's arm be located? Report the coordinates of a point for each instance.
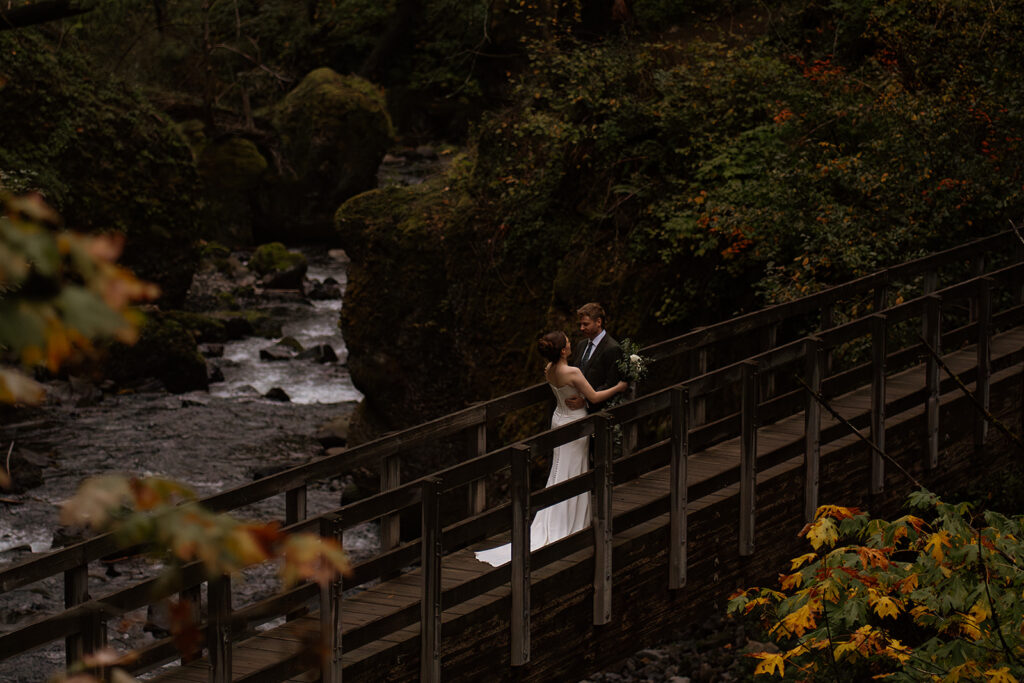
(580, 383)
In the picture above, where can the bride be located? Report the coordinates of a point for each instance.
(569, 460)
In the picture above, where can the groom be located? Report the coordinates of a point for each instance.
(597, 355)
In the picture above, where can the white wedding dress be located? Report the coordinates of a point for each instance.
(568, 516)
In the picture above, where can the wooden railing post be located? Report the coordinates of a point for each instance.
(878, 352)
(295, 510)
(430, 563)
(678, 492)
(698, 367)
(76, 592)
(812, 426)
(193, 598)
(295, 505)
(476, 445)
(931, 282)
(748, 456)
(218, 601)
(390, 478)
(519, 493)
(827, 321)
(981, 385)
(330, 608)
(601, 518)
(977, 269)
(630, 430)
(932, 333)
(771, 339)
(881, 297)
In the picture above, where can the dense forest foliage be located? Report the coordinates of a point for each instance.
(678, 160)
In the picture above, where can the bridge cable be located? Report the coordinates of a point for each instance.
(824, 403)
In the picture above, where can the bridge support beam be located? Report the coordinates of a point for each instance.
(330, 609)
(981, 384)
(814, 361)
(218, 601)
(601, 519)
(932, 333)
(520, 498)
(430, 596)
(748, 456)
(878, 333)
(678, 493)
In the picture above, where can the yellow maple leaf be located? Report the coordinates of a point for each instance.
(798, 562)
(886, 607)
(935, 543)
(770, 662)
(801, 620)
(822, 531)
(791, 581)
(1002, 675)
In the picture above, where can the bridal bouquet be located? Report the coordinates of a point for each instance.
(632, 366)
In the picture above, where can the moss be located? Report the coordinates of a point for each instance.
(103, 156)
(231, 164)
(166, 349)
(273, 258)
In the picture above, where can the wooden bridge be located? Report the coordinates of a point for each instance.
(699, 485)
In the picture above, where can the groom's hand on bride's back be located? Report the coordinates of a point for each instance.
(575, 402)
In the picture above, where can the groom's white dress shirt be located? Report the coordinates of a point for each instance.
(595, 341)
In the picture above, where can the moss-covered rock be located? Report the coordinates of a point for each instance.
(232, 170)
(275, 258)
(334, 130)
(104, 157)
(166, 349)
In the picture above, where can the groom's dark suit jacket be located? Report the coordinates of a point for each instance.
(601, 369)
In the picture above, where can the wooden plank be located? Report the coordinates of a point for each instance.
(984, 358)
(331, 619)
(932, 333)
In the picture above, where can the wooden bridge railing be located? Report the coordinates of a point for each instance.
(744, 400)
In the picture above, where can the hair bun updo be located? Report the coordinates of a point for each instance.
(551, 344)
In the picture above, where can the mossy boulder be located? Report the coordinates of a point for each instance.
(275, 258)
(333, 131)
(101, 154)
(232, 170)
(166, 350)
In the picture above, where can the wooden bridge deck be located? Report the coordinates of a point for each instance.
(404, 591)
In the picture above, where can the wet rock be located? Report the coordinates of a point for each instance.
(211, 350)
(335, 432)
(26, 470)
(321, 353)
(15, 554)
(190, 403)
(64, 536)
(277, 394)
(292, 278)
(276, 353)
(215, 374)
(326, 290)
(84, 392)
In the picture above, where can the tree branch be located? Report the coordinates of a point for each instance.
(41, 12)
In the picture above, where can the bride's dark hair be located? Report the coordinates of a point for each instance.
(551, 344)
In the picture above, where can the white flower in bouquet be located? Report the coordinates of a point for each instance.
(633, 366)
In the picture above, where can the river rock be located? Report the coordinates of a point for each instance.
(276, 353)
(165, 350)
(215, 373)
(334, 131)
(277, 394)
(211, 350)
(321, 353)
(326, 290)
(335, 432)
(26, 469)
(290, 279)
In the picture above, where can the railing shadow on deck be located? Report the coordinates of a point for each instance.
(694, 401)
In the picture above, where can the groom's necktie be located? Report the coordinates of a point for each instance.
(586, 354)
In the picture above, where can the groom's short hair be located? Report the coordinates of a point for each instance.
(592, 311)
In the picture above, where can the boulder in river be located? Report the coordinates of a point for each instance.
(334, 131)
(321, 353)
(277, 394)
(26, 469)
(335, 432)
